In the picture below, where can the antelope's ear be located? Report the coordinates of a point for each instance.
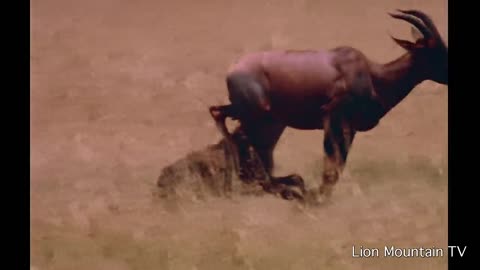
(416, 34)
(407, 45)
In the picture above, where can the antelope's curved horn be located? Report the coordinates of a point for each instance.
(415, 22)
(427, 20)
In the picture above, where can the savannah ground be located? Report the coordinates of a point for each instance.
(120, 89)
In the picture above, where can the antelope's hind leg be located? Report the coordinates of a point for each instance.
(248, 101)
(263, 135)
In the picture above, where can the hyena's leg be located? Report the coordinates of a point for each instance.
(219, 114)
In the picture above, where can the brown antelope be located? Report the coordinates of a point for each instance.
(339, 91)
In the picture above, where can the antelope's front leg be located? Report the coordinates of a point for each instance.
(337, 142)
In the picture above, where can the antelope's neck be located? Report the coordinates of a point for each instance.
(393, 81)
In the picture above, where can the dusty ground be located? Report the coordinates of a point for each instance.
(120, 89)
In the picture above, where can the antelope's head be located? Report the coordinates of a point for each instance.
(429, 52)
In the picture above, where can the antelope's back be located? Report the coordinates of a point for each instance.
(310, 72)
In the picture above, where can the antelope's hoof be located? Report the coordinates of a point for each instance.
(326, 190)
(290, 194)
(293, 180)
(315, 198)
(298, 182)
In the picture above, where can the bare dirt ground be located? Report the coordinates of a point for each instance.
(120, 89)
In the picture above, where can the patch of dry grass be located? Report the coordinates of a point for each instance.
(376, 205)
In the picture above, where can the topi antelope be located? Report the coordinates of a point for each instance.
(339, 91)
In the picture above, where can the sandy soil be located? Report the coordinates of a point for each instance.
(120, 89)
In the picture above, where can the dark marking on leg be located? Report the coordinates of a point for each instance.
(337, 142)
